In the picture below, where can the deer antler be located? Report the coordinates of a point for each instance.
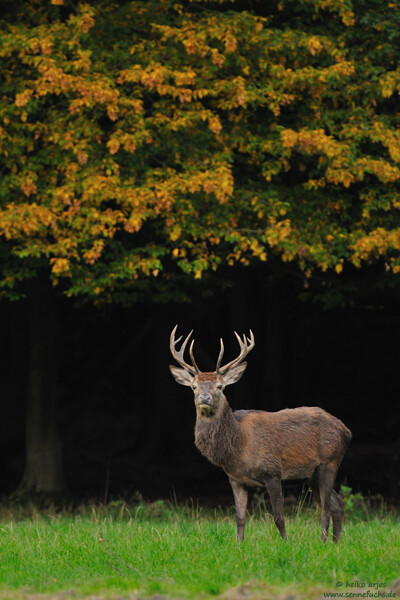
(245, 346)
(178, 355)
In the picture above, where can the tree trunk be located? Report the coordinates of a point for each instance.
(43, 474)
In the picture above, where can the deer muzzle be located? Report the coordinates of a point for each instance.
(205, 399)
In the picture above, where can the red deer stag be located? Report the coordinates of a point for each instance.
(259, 448)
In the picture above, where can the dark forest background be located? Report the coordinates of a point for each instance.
(127, 427)
(223, 166)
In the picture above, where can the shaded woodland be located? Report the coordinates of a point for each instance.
(125, 427)
(224, 166)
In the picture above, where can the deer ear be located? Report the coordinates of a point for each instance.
(234, 374)
(181, 375)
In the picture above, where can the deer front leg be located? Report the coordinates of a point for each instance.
(274, 487)
(240, 495)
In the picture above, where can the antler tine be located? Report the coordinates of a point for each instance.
(245, 340)
(245, 345)
(239, 339)
(221, 353)
(192, 357)
(178, 354)
(251, 340)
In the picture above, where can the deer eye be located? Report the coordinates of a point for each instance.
(194, 387)
(219, 386)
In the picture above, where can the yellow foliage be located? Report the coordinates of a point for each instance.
(113, 145)
(23, 98)
(338, 268)
(175, 233)
(28, 187)
(60, 266)
(218, 135)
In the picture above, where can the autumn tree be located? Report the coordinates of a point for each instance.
(141, 140)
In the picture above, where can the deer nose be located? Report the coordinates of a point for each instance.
(205, 398)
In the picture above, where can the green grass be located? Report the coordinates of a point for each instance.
(187, 552)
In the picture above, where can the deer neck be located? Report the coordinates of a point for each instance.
(218, 437)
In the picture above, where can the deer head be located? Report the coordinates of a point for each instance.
(208, 386)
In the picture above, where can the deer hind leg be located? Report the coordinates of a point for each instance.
(240, 495)
(337, 511)
(327, 474)
(274, 487)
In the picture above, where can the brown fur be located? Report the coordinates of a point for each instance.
(257, 444)
(259, 448)
(207, 376)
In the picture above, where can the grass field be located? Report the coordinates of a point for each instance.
(186, 552)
